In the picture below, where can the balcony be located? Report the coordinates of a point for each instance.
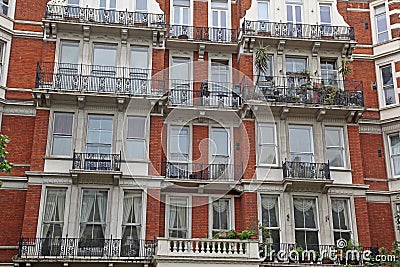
(188, 251)
(91, 79)
(202, 172)
(307, 170)
(202, 34)
(78, 249)
(103, 16)
(205, 93)
(301, 89)
(96, 162)
(301, 31)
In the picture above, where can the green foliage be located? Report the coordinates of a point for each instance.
(5, 166)
(345, 69)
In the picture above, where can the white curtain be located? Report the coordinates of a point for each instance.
(338, 205)
(137, 209)
(102, 202)
(128, 203)
(49, 210)
(172, 216)
(181, 212)
(87, 206)
(220, 206)
(303, 205)
(269, 203)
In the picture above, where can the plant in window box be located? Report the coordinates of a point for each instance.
(245, 234)
(353, 257)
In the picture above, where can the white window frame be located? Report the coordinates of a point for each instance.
(231, 216)
(228, 16)
(141, 10)
(180, 127)
(109, 204)
(348, 215)
(311, 130)
(392, 156)
(142, 139)
(190, 12)
(188, 214)
(229, 143)
(2, 60)
(342, 147)
(112, 132)
(268, 10)
(44, 203)
(53, 134)
(139, 224)
(318, 229)
(374, 19)
(260, 145)
(260, 214)
(396, 100)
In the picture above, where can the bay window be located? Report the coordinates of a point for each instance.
(178, 217)
(131, 223)
(62, 134)
(301, 143)
(267, 141)
(341, 219)
(270, 218)
(221, 216)
(394, 143)
(335, 146)
(306, 223)
(136, 138)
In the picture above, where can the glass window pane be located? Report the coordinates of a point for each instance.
(63, 123)
(180, 69)
(105, 55)
(62, 145)
(220, 142)
(132, 208)
(221, 220)
(335, 157)
(135, 149)
(298, 14)
(325, 13)
(381, 23)
(185, 16)
(334, 137)
(340, 214)
(141, 5)
(263, 10)
(296, 64)
(395, 144)
(289, 13)
(270, 211)
(179, 141)
(268, 154)
(387, 76)
(182, 2)
(267, 134)
(300, 139)
(139, 57)
(69, 52)
(136, 127)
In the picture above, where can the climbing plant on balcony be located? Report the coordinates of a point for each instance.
(5, 166)
(261, 61)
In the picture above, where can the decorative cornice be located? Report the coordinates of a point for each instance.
(19, 110)
(370, 129)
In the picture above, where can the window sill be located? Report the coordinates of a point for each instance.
(337, 169)
(136, 161)
(268, 166)
(58, 158)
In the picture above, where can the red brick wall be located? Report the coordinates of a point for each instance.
(355, 155)
(373, 165)
(20, 146)
(363, 226)
(249, 210)
(200, 144)
(25, 53)
(40, 140)
(248, 148)
(153, 214)
(31, 212)
(30, 10)
(357, 20)
(199, 216)
(200, 14)
(156, 150)
(162, 216)
(11, 218)
(381, 224)
(7, 254)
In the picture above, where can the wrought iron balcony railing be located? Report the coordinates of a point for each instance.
(104, 16)
(308, 170)
(297, 30)
(306, 90)
(208, 34)
(76, 248)
(97, 79)
(205, 93)
(199, 171)
(96, 161)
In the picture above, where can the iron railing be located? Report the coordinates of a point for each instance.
(305, 90)
(96, 161)
(104, 16)
(199, 171)
(297, 30)
(75, 248)
(309, 170)
(208, 34)
(98, 79)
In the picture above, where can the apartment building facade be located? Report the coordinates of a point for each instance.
(141, 129)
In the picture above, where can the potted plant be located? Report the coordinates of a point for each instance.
(261, 61)
(345, 69)
(352, 246)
